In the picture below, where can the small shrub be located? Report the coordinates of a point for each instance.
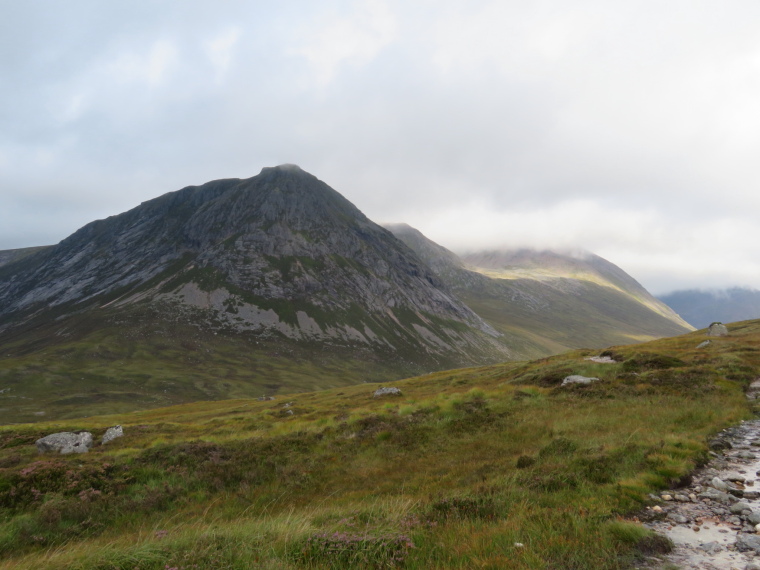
(481, 507)
(558, 446)
(525, 461)
(347, 550)
(640, 362)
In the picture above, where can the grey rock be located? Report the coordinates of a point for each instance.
(65, 442)
(676, 518)
(703, 344)
(751, 494)
(719, 484)
(747, 542)
(715, 495)
(711, 547)
(738, 508)
(112, 433)
(578, 379)
(754, 518)
(737, 477)
(265, 398)
(752, 566)
(681, 498)
(717, 329)
(746, 455)
(391, 391)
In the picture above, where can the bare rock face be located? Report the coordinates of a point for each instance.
(717, 329)
(111, 434)
(65, 442)
(278, 254)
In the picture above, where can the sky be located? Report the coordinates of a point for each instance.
(629, 129)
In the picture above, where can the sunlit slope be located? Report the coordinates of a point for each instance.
(546, 302)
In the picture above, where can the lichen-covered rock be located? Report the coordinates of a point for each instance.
(386, 392)
(578, 379)
(703, 344)
(65, 442)
(112, 433)
(717, 329)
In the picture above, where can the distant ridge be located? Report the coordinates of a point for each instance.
(702, 307)
(545, 301)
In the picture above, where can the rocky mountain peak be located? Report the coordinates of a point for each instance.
(277, 253)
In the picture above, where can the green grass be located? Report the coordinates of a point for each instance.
(491, 467)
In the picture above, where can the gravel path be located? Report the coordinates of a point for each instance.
(714, 522)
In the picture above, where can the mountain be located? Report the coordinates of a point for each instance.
(545, 301)
(236, 287)
(700, 308)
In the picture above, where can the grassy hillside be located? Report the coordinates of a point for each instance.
(140, 357)
(494, 467)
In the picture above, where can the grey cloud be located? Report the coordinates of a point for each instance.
(515, 106)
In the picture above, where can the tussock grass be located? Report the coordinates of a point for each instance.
(493, 467)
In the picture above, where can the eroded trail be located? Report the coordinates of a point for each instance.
(714, 521)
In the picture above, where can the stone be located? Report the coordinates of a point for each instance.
(65, 442)
(667, 497)
(746, 455)
(682, 498)
(754, 518)
(737, 477)
(676, 518)
(751, 495)
(703, 344)
(738, 508)
(657, 509)
(265, 398)
(392, 391)
(717, 329)
(752, 566)
(578, 379)
(711, 547)
(715, 495)
(719, 484)
(746, 542)
(111, 434)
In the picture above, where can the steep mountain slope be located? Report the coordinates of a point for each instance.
(279, 260)
(546, 302)
(700, 308)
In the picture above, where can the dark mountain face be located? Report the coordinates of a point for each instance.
(700, 308)
(277, 254)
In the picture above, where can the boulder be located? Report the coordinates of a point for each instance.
(65, 442)
(703, 344)
(740, 507)
(578, 379)
(746, 542)
(715, 495)
(111, 434)
(717, 329)
(386, 392)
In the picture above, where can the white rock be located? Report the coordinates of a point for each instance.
(578, 379)
(392, 391)
(112, 433)
(65, 442)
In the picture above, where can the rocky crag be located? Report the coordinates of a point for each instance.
(281, 255)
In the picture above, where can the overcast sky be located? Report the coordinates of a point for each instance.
(630, 129)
